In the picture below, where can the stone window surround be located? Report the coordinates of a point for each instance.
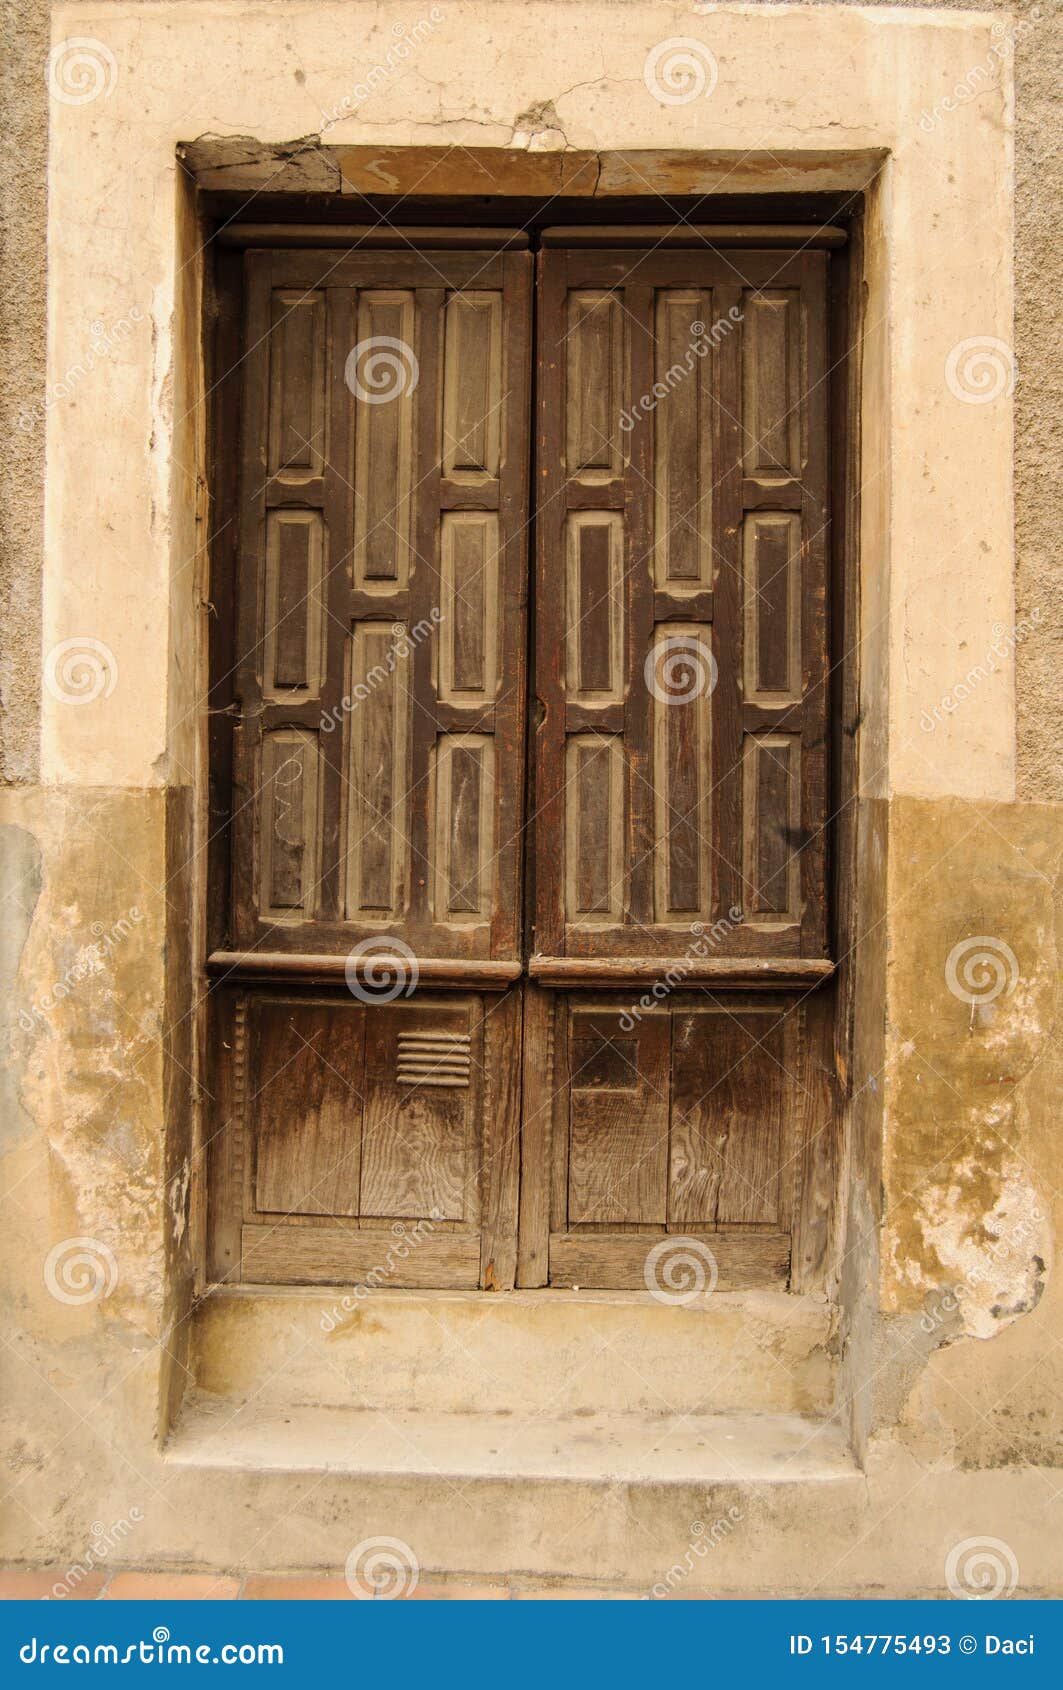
(805, 98)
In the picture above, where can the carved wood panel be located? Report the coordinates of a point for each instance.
(681, 655)
(379, 750)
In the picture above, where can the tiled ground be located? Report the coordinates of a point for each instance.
(127, 1584)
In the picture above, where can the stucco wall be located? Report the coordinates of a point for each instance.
(959, 835)
(1038, 62)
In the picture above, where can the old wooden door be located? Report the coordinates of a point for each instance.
(483, 1017)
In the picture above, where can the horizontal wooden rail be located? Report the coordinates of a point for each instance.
(280, 966)
(562, 972)
(730, 1261)
(571, 971)
(341, 236)
(696, 234)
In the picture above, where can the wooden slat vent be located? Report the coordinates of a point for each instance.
(433, 1059)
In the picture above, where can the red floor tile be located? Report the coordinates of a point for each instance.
(170, 1587)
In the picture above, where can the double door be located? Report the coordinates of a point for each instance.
(522, 973)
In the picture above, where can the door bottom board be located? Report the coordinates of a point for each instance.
(670, 1265)
(325, 1255)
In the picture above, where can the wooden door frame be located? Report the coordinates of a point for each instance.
(823, 1161)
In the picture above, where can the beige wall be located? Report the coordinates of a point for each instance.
(958, 836)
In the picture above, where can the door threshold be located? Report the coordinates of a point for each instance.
(648, 1449)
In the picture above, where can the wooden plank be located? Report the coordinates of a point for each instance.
(573, 971)
(418, 836)
(771, 572)
(536, 1146)
(305, 1108)
(729, 1093)
(294, 590)
(640, 829)
(382, 372)
(771, 383)
(290, 1254)
(469, 606)
(617, 1261)
(501, 1144)
(401, 269)
(419, 1146)
(462, 841)
(548, 799)
(618, 1100)
(227, 1052)
(727, 608)
(297, 383)
(378, 776)
(594, 607)
(476, 171)
(472, 385)
(289, 807)
(594, 353)
(800, 235)
(510, 724)
(682, 771)
(683, 361)
(560, 1123)
(594, 844)
(815, 610)
(816, 1151)
(771, 812)
(362, 235)
(339, 524)
(283, 966)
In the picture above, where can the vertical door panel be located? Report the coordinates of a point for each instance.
(383, 597)
(370, 1127)
(682, 432)
(681, 671)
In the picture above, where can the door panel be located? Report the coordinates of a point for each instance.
(376, 1141)
(381, 684)
(680, 760)
(410, 1089)
(682, 1119)
(681, 650)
